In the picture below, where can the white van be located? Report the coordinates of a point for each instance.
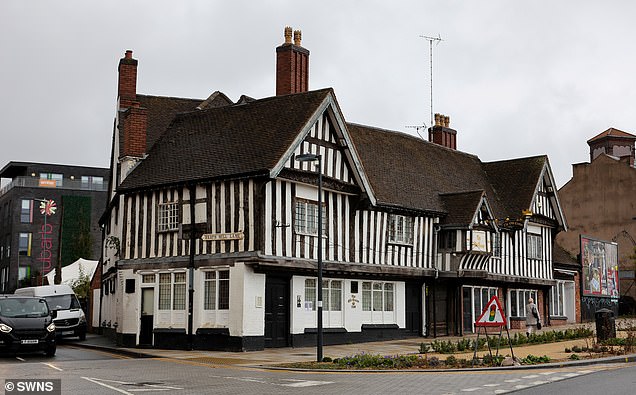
(70, 320)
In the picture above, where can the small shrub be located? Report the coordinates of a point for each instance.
(434, 362)
(577, 349)
(490, 360)
(327, 359)
(575, 357)
(533, 359)
(451, 361)
(568, 350)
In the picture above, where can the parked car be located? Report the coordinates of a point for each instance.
(71, 320)
(26, 324)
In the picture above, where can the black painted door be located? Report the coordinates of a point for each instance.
(147, 316)
(414, 309)
(276, 312)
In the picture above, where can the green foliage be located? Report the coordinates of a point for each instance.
(575, 357)
(81, 285)
(463, 345)
(492, 360)
(377, 361)
(533, 359)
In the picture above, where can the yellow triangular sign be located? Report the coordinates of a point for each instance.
(493, 314)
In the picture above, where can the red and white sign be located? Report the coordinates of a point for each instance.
(493, 314)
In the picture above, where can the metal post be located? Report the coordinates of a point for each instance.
(319, 340)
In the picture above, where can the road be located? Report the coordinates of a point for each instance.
(84, 371)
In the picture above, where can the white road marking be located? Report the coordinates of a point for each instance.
(154, 387)
(20, 359)
(492, 385)
(512, 380)
(547, 373)
(571, 374)
(586, 371)
(521, 386)
(107, 386)
(53, 367)
(538, 382)
(501, 391)
(305, 383)
(532, 376)
(470, 389)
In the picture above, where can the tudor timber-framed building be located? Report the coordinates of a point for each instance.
(210, 238)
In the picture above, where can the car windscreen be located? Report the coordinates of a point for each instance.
(62, 302)
(23, 308)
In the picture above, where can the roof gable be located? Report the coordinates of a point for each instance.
(611, 132)
(227, 141)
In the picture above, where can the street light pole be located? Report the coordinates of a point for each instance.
(319, 337)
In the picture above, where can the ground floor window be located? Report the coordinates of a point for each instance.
(331, 294)
(378, 296)
(172, 291)
(557, 301)
(474, 301)
(216, 290)
(519, 300)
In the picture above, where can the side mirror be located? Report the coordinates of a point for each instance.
(54, 314)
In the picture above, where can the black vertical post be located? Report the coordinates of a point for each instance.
(319, 339)
(192, 188)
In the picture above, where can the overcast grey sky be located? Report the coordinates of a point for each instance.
(516, 78)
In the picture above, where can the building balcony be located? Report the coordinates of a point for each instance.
(34, 182)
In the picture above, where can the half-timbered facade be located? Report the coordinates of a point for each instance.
(211, 235)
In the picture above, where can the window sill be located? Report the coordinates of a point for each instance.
(400, 243)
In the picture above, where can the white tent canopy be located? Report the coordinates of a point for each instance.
(71, 272)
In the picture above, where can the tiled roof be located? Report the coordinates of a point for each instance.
(562, 257)
(229, 141)
(515, 181)
(409, 172)
(461, 207)
(161, 111)
(611, 132)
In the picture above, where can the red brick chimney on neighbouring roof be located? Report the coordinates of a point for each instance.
(441, 133)
(292, 65)
(133, 117)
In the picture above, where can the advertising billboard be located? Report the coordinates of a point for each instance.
(600, 267)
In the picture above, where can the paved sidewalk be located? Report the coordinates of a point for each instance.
(274, 356)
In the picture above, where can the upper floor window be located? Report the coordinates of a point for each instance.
(306, 218)
(51, 179)
(92, 182)
(168, 217)
(535, 246)
(26, 211)
(496, 245)
(24, 244)
(400, 229)
(447, 240)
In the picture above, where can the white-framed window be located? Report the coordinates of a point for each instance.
(331, 294)
(148, 278)
(216, 290)
(535, 246)
(400, 229)
(172, 291)
(557, 299)
(306, 218)
(168, 216)
(519, 300)
(378, 296)
(310, 293)
(474, 301)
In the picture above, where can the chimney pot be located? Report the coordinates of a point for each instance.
(288, 35)
(297, 37)
(128, 54)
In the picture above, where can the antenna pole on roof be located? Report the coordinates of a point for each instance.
(417, 129)
(430, 49)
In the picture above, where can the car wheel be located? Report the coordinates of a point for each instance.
(50, 351)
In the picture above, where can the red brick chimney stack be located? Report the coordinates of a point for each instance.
(133, 118)
(292, 65)
(441, 133)
(127, 86)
